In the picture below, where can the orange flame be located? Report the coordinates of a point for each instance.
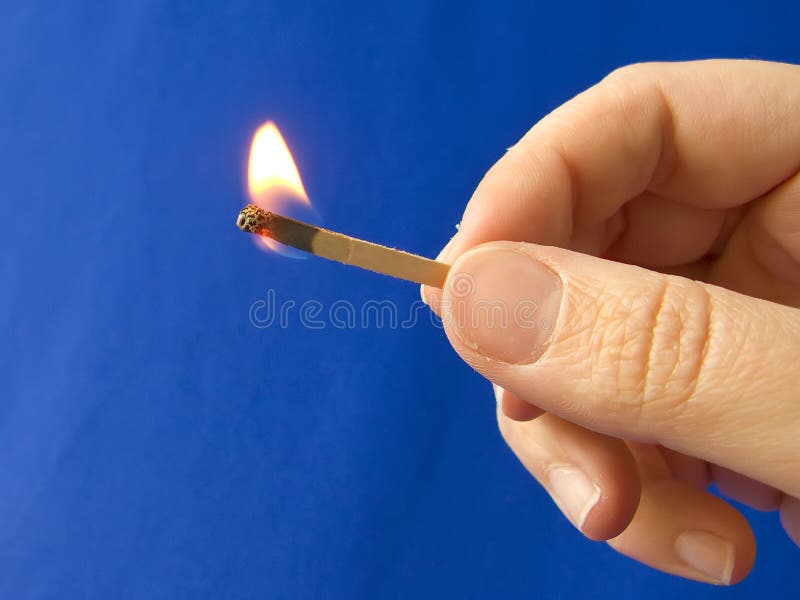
(273, 180)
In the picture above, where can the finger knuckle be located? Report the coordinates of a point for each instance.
(644, 348)
(626, 74)
(671, 351)
(637, 93)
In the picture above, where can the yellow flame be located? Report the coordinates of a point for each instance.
(273, 180)
(271, 171)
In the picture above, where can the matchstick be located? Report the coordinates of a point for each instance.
(343, 248)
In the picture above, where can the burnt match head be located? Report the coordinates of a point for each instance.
(253, 219)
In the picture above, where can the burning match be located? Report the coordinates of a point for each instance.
(342, 248)
(274, 184)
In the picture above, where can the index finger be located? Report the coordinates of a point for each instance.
(710, 134)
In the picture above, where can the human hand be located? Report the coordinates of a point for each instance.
(650, 291)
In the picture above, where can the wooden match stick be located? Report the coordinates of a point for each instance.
(343, 248)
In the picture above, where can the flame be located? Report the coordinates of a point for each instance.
(273, 180)
(271, 169)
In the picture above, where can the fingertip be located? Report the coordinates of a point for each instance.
(688, 532)
(591, 477)
(514, 407)
(433, 296)
(618, 479)
(790, 518)
(449, 252)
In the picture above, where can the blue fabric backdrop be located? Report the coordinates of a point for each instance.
(153, 442)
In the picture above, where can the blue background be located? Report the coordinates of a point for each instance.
(153, 443)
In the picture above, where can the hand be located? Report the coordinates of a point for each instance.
(641, 326)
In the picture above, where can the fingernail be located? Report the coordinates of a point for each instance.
(498, 393)
(444, 255)
(498, 396)
(502, 303)
(574, 493)
(707, 553)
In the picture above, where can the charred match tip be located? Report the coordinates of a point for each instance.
(253, 219)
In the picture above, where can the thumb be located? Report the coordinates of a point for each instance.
(634, 353)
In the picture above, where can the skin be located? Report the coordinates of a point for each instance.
(665, 204)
